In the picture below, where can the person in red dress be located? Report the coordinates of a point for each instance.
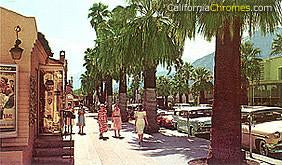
(102, 120)
(116, 119)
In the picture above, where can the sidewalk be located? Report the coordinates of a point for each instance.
(157, 150)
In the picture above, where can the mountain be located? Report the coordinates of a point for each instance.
(206, 62)
(259, 40)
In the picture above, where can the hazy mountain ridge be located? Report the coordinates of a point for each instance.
(260, 41)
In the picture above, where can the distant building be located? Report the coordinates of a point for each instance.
(268, 91)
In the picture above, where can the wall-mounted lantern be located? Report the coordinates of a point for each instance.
(16, 51)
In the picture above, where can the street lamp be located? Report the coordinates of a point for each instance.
(16, 51)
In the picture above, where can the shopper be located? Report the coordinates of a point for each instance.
(81, 119)
(116, 120)
(140, 121)
(102, 120)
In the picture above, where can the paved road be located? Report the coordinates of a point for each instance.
(164, 148)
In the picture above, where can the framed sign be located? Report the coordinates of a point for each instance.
(8, 101)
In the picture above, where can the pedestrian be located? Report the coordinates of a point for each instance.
(69, 118)
(81, 119)
(102, 120)
(140, 121)
(116, 119)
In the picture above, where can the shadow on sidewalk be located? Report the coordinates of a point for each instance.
(159, 144)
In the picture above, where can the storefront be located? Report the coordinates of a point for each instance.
(268, 91)
(25, 99)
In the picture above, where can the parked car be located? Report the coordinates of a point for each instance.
(165, 119)
(266, 129)
(131, 108)
(194, 120)
(179, 106)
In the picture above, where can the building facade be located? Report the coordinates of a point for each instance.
(32, 89)
(268, 91)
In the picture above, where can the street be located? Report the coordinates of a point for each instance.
(167, 147)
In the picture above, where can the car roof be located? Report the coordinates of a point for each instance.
(133, 105)
(182, 104)
(251, 109)
(194, 108)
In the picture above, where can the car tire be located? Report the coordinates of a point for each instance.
(263, 150)
(175, 126)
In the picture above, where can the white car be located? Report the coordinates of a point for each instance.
(266, 128)
(181, 106)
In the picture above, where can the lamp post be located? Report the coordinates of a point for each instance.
(16, 51)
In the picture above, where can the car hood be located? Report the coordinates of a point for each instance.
(202, 119)
(268, 127)
(169, 117)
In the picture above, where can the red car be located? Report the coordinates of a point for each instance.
(165, 119)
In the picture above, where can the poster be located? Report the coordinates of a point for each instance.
(8, 106)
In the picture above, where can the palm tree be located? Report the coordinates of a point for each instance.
(179, 84)
(277, 45)
(250, 68)
(98, 13)
(188, 70)
(227, 29)
(163, 88)
(202, 82)
(134, 86)
(151, 42)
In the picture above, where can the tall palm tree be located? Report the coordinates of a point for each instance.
(151, 42)
(98, 13)
(125, 62)
(227, 28)
(250, 68)
(277, 45)
(202, 83)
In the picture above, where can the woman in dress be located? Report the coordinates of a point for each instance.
(140, 121)
(102, 120)
(81, 119)
(116, 119)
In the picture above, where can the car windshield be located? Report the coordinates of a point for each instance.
(267, 116)
(200, 113)
(196, 113)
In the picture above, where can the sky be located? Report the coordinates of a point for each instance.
(66, 27)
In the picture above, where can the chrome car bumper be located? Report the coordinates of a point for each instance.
(275, 148)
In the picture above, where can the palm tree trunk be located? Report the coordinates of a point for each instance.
(226, 116)
(202, 99)
(90, 99)
(150, 99)
(109, 87)
(244, 91)
(166, 102)
(180, 97)
(187, 97)
(98, 94)
(122, 95)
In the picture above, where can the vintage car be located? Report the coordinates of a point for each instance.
(266, 129)
(180, 106)
(165, 119)
(194, 120)
(131, 108)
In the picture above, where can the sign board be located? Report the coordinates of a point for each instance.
(8, 101)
